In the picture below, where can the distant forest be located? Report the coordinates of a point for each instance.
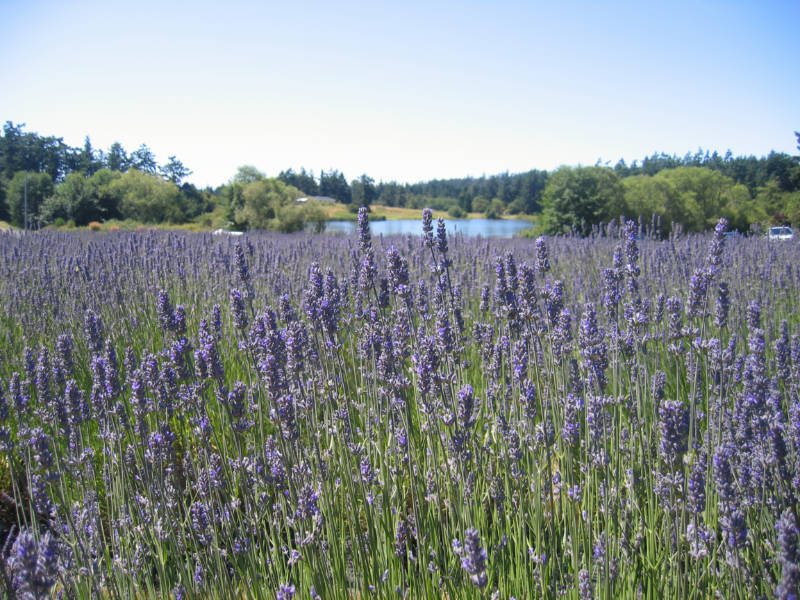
(44, 181)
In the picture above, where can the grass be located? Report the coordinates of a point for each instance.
(342, 212)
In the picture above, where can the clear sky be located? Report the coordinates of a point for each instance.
(404, 90)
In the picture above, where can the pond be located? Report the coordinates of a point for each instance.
(484, 227)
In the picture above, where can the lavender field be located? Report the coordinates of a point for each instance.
(267, 416)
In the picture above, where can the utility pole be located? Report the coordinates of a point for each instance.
(25, 196)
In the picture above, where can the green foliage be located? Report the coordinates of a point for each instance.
(73, 199)
(268, 204)
(695, 197)
(315, 217)
(248, 174)
(3, 203)
(363, 191)
(334, 185)
(85, 160)
(117, 159)
(174, 171)
(148, 198)
(24, 151)
(495, 209)
(456, 212)
(438, 203)
(465, 201)
(290, 218)
(480, 204)
(83, 199)
(39, 188)
(392, 194)
(142, 159)
(106, 196)
(693, 190)
(576, 198)
(303, 181)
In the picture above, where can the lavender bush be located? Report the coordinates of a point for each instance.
(184, 416)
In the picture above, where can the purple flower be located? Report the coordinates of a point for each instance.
(611, 283)
(398, 273)
(64, 354)
(241, 266)
(364, 237)
(527, 396)
(285, 415)
(593, 347)
(427, 227)
(554, 300)
(206, 357)
(93, 329)
(723, 473)
(734, 527)
(235, 403)
(542, 259)
(179, 320)
(201, 522)
(573, 419)
(698, 288)
(716, 248)
(788, 557)
(441, 236)
(562, 334)
(722, 305)
(631, 249)
(402, 537)
(285, 592)
(238, 309)
(585, 585)
(466, 404)
(18, 396)
(4, 412)
(512, 281)
(41, 447)
(674, 427)
(307, 503)
(473, 557)
(166, 316)
(216, 318)
(33, 565)
(696, 486)
(783, 357)
(753, 315)
(42, 378)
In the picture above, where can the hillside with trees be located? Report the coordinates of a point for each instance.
(44, 181)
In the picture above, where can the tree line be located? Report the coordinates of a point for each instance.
(693, 190)
(44, 181)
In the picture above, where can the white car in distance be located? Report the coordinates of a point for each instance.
(780, 233)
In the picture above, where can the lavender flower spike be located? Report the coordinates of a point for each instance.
(789, 557)
(33, 565)
(473, 557)
(285, 592)
(427, 227)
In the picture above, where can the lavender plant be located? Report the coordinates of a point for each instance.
(188, 416)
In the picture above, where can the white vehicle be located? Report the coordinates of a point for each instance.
(780, 233)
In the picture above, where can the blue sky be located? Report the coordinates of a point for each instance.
(404, 91)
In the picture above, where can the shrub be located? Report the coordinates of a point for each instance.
(456, 212)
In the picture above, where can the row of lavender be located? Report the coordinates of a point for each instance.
(271, 416)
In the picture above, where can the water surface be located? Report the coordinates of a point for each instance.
(473, 227)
